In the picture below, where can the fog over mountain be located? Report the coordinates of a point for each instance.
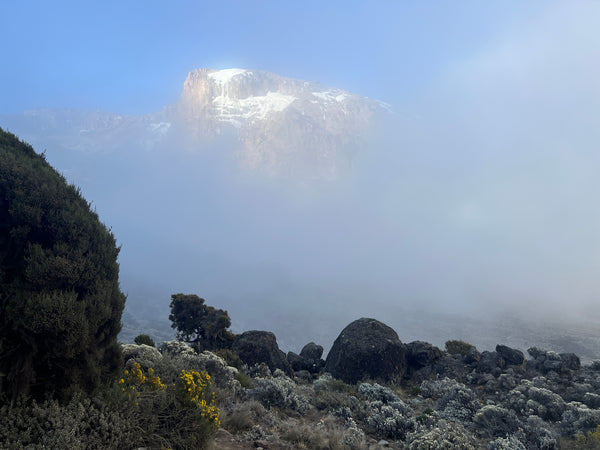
(299, 208)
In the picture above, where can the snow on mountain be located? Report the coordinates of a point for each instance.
(282, 125)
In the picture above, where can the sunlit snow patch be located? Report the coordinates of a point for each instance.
(333, 95)
(224, 76)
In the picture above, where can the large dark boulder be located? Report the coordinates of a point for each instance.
(472, 357)
(421, 354)
(309, 358)
(311, 351)
(490, 362)
(367, 349)
(256, 347)
(511, 356)
(570, 361)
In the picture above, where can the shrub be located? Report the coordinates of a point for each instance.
(386, 415)
(455, 347)
(279, 392)
(144, 339)
(538, 434)
(79, 424)
(134, 381)
(328, 434)
(376, 392)
(192, 392)
(353, 436)
(528, 400)
(507, 443)
(425, 416)
(579, 419)
(591, 439)
(231, 358)
(444, 436)
(242, 416)
(244, 380)
(179, 416)
(458, 403)
(496, 421)
(436, 388)
(59, 282)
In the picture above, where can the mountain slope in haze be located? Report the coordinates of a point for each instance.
(279, 125)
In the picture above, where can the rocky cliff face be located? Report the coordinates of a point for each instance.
(282, 124)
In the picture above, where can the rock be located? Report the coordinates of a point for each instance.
(536, 352)
(473, 356)
(549, 361)
(367, 349)
(309, 358)
(421, 354)
(255, 347)
(296, 361)
(511, 356)
(312, 351)
(490, 362)
(570, 361)
(551, 364)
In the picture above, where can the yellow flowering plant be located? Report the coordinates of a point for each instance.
(193, 391)
(134, 381)
(187, 405)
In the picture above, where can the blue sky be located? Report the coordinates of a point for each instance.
(132, 56)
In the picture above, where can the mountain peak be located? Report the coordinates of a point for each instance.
(279, 120)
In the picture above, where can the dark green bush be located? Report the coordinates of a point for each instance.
(231, 358)
(244, 380)
(60, 302)
(455, 347)
(144, 339)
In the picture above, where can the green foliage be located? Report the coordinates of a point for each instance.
(144, 339)
(200, 324)
(140, 411)
(134, 381)
(415, 390)
(230, 357)
(244, 380)
(60, 301)
(455, 347)
(423, 417)
(242, 416)
(192, 391)
(80, 424)
(589, 440)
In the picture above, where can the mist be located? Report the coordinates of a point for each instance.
(470, 213)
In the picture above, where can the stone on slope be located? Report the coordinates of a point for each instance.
(367, 349)
(256, 347)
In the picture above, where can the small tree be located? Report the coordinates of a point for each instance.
(144, 339)
(198, 323)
